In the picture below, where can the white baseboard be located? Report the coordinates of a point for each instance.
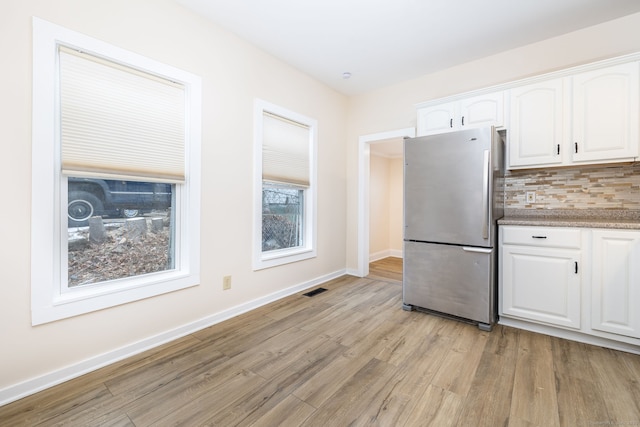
(34, 385)
(396, 253)
(353, 272)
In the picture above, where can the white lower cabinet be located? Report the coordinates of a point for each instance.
(615, 282)
(582, 283)
(541, 277)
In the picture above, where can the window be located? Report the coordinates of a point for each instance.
(116, 176)
(285, 200)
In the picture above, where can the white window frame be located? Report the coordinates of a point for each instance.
(308, 250)
(50, 298)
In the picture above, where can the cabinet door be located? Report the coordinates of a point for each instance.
(605, 114)
(482, 110)
(436, 119)
(615, 291)
(535, 124)
(541, 284)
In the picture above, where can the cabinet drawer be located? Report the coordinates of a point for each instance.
(542, 236)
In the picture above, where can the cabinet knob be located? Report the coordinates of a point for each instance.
(576, 265)
(538, 237)
(576, 146)
(558, 150)
(450, 123)
(462, 120)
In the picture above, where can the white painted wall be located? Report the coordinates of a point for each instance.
(385, 207)
(396, 224)
(393, 107)
(233, 74)
(379, 191)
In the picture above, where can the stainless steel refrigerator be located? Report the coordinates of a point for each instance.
(453, 195)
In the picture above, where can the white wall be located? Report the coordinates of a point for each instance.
(396, 222)
(385, 206)
(378, 206)
(233, 74)
(393, 107)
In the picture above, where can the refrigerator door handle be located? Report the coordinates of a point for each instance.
(485, 196)
(479, 250)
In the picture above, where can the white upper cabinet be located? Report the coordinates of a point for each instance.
(477, 111)
(482, 110)
(605, 114)
(436, 119)
(535, 124)
(586, 118)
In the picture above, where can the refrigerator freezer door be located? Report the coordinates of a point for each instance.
(450, 279)
(448, 188)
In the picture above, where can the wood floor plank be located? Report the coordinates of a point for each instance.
(611, 373)
(348, 356)
(259, 402)
(262, 331)
(630, 381)
(63, 397)
(147, 378)
(347, 404)
(458, 370)
(389, 268)
(290, 412)
(66, 411)
(534, 401)
(580, 399)
(319, 388)
(435, 407)
(400, 394)
(293, 348)
(488, 401)
(202, 404)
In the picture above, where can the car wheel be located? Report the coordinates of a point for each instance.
(81, 207)
(130, 213)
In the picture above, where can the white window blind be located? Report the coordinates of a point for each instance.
(118, 122)
(285, 151)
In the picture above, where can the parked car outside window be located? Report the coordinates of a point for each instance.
(88, 197)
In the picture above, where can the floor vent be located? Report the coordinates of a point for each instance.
(314, 292)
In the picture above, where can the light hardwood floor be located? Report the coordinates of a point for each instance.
(349, 357)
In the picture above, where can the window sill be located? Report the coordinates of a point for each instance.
(283, 256)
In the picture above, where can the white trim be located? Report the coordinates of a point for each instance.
(364, 157)
(535, 79)
(42, 382)
(353, 272)
(395, 253)
(261, 260)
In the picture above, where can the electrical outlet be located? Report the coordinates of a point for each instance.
(530, 196)
(226, 283)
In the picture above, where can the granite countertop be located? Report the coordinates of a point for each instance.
(584, 218)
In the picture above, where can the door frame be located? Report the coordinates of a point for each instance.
(364, 158)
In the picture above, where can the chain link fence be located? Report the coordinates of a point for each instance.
(281, 218)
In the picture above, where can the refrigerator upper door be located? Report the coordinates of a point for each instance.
(448, 188)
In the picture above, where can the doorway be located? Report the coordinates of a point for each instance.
(365, 145)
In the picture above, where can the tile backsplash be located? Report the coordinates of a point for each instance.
(587, 187)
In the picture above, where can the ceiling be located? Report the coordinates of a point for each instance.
(382, 42)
